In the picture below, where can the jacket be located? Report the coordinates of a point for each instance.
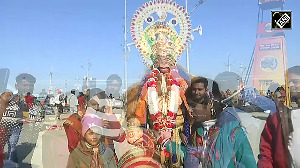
(273, 149)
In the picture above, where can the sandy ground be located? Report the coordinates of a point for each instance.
(29, 137)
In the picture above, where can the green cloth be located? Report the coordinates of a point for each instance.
(232, 148)
(227, 146)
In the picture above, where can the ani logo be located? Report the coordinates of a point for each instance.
(281, 19)
(268, 63)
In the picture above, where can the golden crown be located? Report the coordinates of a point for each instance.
(159, 41)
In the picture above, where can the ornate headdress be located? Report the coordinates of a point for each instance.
(159, 40)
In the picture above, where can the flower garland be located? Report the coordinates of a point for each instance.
(164, 107)
(163, 120)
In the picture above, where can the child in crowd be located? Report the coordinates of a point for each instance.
(90, 152)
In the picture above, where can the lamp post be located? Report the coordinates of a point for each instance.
(125, 51)
(87, 73)
(198, 29)
(50, 84)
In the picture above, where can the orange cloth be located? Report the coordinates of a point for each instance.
(141, 112)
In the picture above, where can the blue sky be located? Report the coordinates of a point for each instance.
(65, 34)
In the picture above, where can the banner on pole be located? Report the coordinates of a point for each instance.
(269, 1)
(270, 62)
(269, 4)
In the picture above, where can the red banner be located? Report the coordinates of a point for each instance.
(265, 28)
(270, 62)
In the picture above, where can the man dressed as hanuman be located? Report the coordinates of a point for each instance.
(163, 92)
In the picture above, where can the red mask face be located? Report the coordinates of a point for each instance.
(164, 67)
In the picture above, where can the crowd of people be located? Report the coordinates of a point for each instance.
(163, 121)
(179, 123)
(170, 118)
(107, 130)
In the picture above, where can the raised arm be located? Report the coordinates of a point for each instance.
(4, 98)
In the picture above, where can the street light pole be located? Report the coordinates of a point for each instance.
(87, 78)
(188, 45)
(87, 74)
(125, 51)
(66, 86)
(200, 2)
(187, 48)
(50, 84)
